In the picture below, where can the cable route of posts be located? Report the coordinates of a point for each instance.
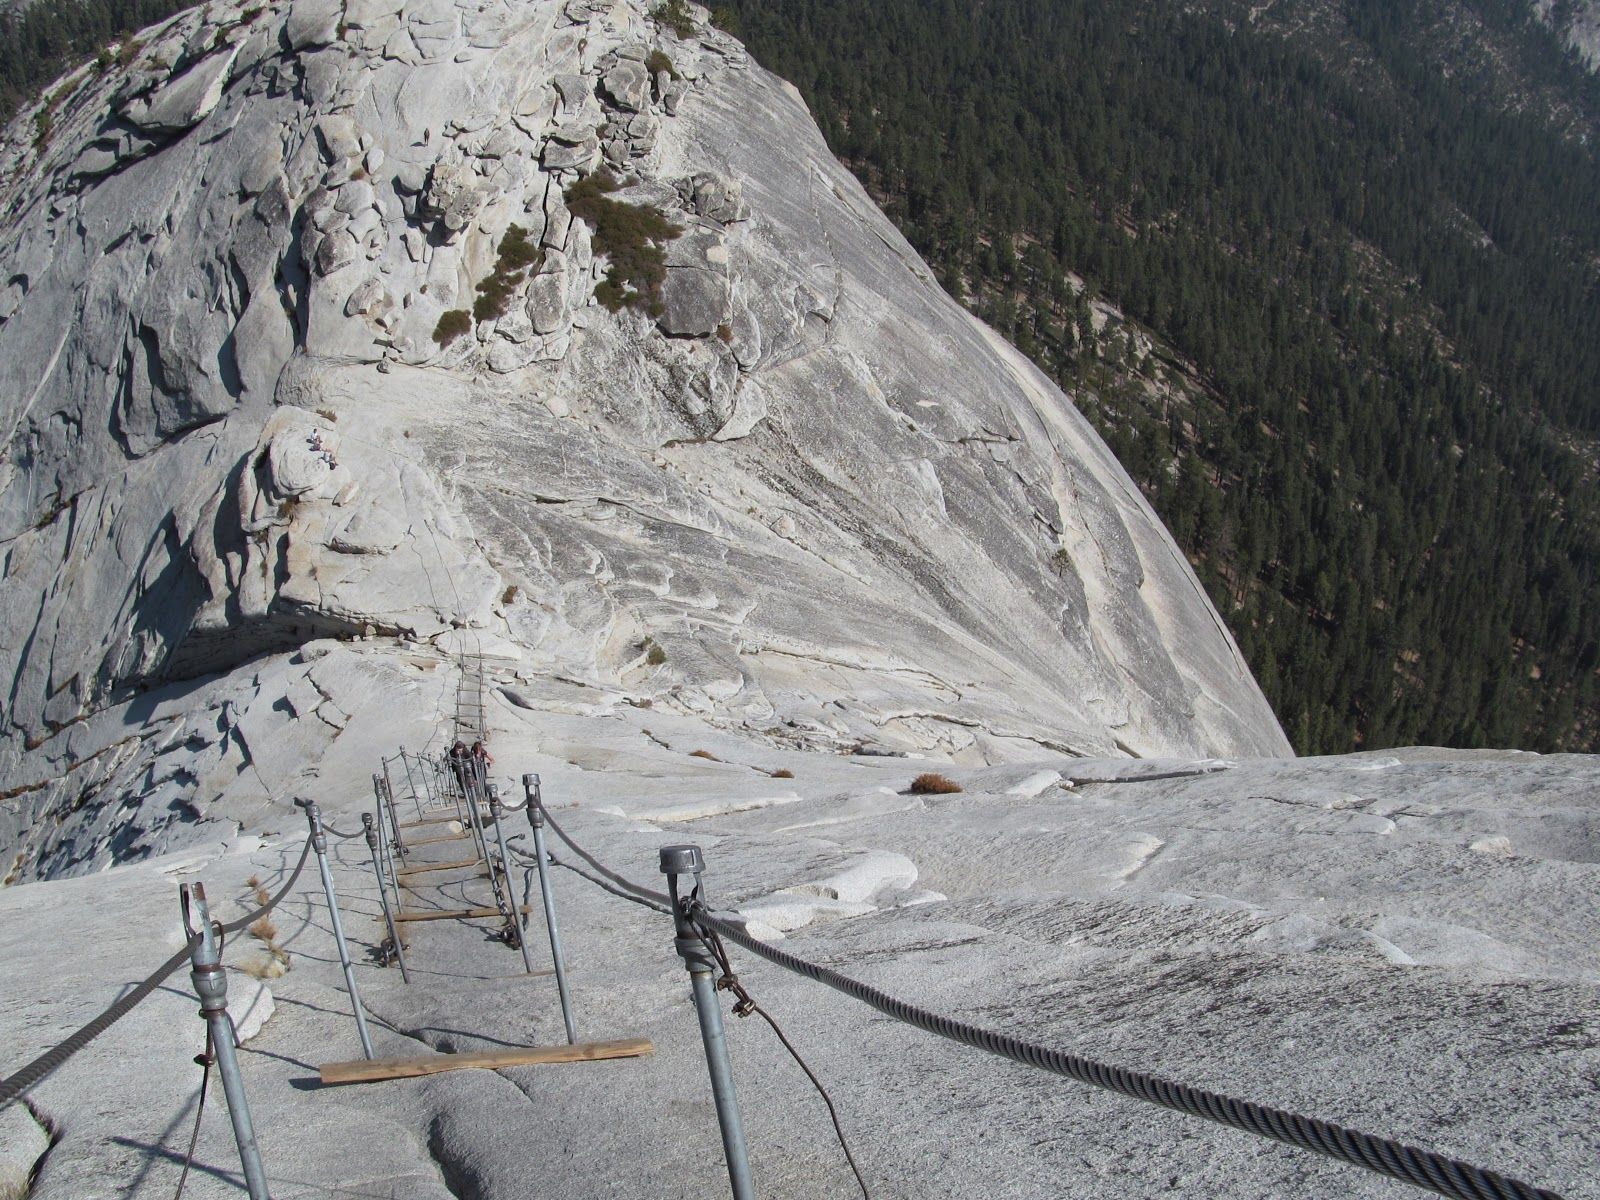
(700, 927)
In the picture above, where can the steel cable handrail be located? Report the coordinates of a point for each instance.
(660, 899)
(25, 1078)
(1409, 1164)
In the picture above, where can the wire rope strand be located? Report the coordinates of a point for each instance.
(1423, 1168)
(25, 1078)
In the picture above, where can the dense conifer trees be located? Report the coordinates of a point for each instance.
(1382, 265)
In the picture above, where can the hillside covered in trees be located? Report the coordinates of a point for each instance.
(1358, 246)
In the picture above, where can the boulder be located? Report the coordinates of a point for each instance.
(312, 23)
(547, 295)
(578, 156)
(186, 100)
(696, 301)
(627, 85)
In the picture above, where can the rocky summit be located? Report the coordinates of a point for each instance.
(794, 488)
(361, 359)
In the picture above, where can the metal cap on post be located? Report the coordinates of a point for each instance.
(319, 843)
(211, 985)
(677, 861)
(532, 795)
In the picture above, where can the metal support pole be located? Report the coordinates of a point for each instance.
(449, 782)
(388, 783)
(511, 894)
(388, 862)
(535, 805)
(386, 804)
(473, 819)
(368, 824)
(211, 985)
(677, 861)
(411, 780)
(423, 769)
(319, 843)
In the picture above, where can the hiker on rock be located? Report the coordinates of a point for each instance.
(481, 763)
(459, 765)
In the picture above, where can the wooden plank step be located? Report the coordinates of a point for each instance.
(433, 841)
(451, 914)
(444, 866)
(363, 1070)
(428, 821)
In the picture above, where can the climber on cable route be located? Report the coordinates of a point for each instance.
(481, 761)
(459, 760)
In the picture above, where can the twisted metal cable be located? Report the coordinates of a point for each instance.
(659, 899)
(23, 1080)
(605, 885)
(1410, 1164)
(744, 1005)
(204, 1062)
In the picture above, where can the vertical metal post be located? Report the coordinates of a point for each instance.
(388, 862)
(368, 824)
(531, 788)
(319, 843)
(411, 780)
(677, 861)
(474, 819)
(511, 892)
(386, 804)
(211, 985)
(388, 782)
(423, 769)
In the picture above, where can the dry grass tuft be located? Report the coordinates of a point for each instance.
(266, 966)
(930, 783)
(273, 959)
(705, 754)
(782, 773)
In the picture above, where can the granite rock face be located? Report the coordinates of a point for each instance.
(846, 513)
(1578, 22)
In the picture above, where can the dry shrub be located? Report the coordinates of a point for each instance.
(782, 773)
(631, 236)
(264, 929)
(705, 754)
(658, 61)
(452, 324)
(930, 783)
(253, 882)
(517, 256)
(266, 966)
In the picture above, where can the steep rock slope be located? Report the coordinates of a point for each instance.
(1578, 21)
(804, 496)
